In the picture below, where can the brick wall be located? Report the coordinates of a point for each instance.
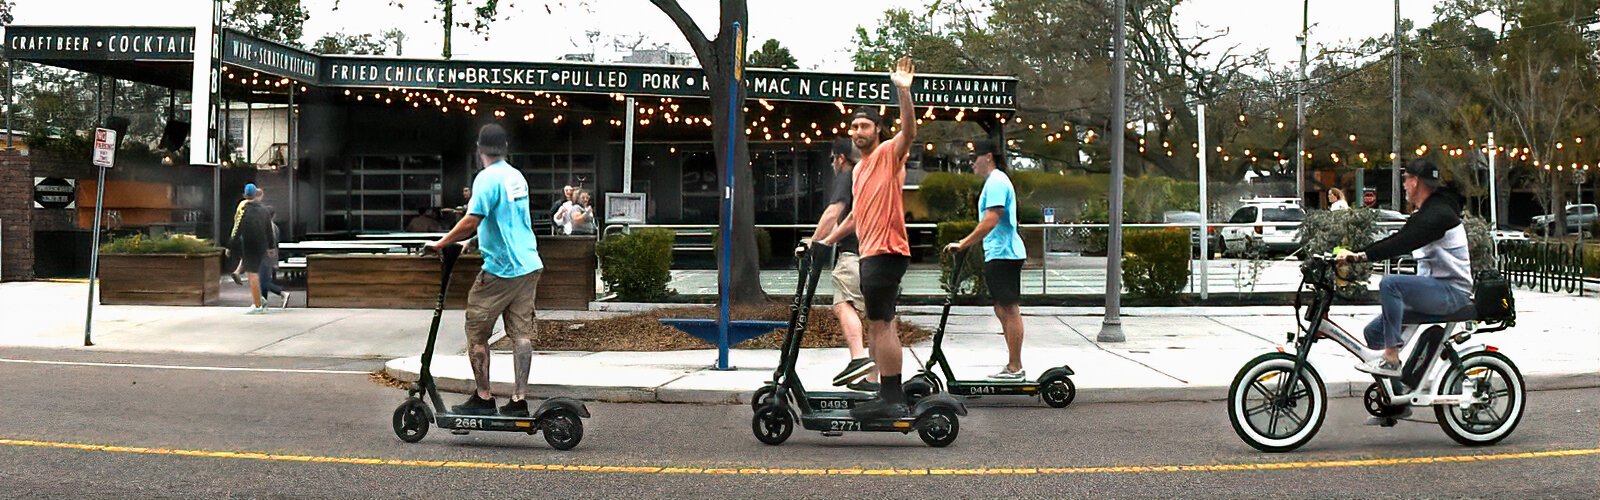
(16, 216)
(21, 220)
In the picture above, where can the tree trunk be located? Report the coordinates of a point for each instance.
(716, 58)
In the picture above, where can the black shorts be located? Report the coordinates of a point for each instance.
(880, 284)
(1004, 279)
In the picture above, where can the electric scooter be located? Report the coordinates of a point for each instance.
(1277, 402)
(799, 318)
(1055, 386)
(559, 418)
(935, 418)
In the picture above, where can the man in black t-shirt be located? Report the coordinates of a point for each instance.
(859, 374)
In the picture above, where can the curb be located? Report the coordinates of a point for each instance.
(625, 394)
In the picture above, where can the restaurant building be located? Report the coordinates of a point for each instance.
(349, 144)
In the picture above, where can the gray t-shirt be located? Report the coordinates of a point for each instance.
(840, 192)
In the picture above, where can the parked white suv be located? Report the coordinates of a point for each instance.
(1276, 227)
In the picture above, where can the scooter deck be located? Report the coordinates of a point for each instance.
(845, 400)
(485, 422)
(993, 388)
(841, 421)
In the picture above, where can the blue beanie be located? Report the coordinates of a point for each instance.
(250, 189)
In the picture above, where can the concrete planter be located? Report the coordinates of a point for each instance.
(160, 279)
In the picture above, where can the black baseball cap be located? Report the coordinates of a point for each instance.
(985, 146)
(843, 147)
(1425, 172)
(868, 113)
(492, 140)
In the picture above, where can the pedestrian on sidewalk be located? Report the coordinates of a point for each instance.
(878, 219)
(859, 373)
(507, 284)
(235, 254)
(1003, 253)
(1336, 200)
(258, 244)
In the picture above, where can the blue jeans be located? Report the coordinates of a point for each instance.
(269, 267)
(1399, 293)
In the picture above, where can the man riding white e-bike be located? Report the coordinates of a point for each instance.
(1443, 284)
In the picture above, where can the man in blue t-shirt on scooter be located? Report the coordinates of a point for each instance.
(1003, 253)
(507, 285)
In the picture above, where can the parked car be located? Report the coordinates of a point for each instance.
(1389, 222)
(1276, 227)
(1500, 235)
(1184, 217)
(1578, 217)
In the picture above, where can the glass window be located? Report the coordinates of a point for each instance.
(1244, 215)
(1283, 215)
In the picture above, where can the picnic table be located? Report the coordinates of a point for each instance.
(307, 247)
(400, 236)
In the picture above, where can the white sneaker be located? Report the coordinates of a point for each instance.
(1007, 374)
(1380, 367)
(256, 310)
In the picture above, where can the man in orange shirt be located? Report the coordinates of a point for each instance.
(878, 221)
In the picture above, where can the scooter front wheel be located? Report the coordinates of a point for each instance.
(919, 386)
(762, 397)
(1269, 415)
(772, 424)
(562, 427)
(411, 420)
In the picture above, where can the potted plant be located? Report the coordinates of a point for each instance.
(176, 270)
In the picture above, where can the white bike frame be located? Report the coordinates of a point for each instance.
(1423, 394)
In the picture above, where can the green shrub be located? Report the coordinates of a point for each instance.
(951, 196)
(1591, 261)
(972, 269)
(637, 266)
(1480, 243)
(1353, 229)
(174, 244)
(1155, 262)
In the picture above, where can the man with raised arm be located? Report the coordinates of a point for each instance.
(879, 223)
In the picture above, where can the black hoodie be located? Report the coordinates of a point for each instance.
(1436, 229)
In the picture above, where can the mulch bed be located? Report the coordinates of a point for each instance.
(644, 332)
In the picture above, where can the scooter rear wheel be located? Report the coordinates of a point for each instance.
(939, 428)
(772, 424)
(411, 420)
(1058, 392)
(563, 429)
(919, 386)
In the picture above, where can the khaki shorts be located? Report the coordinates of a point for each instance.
(494, 297)
(847, 280)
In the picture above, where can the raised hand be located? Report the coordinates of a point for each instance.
(903, 71)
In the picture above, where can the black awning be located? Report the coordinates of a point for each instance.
(163, 56)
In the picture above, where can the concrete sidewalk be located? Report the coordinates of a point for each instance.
(1172, 353)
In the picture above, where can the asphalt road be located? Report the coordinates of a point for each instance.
(87, 430)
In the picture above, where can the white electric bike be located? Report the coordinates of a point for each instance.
(1277, 402)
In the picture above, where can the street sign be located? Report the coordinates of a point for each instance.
(1580, 176)
(105, 147)
(54, 192)
(1049, 215)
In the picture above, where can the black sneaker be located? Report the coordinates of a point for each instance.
(237, 280)
(857, 368)
(863, 385)
(515, 409)
(879, 409)
(474, 406)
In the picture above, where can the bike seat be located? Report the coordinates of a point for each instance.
(1467, 313)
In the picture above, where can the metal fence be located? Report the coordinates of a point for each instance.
(1545, 266)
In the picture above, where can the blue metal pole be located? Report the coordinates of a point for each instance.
(725, 271)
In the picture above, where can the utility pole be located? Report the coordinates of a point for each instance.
(1494, 194)
(1394, 120)
(1111, 327)
(1300, 108)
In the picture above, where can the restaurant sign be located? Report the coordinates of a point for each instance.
(239, 49)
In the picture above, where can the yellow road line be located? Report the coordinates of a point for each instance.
(760, 471)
